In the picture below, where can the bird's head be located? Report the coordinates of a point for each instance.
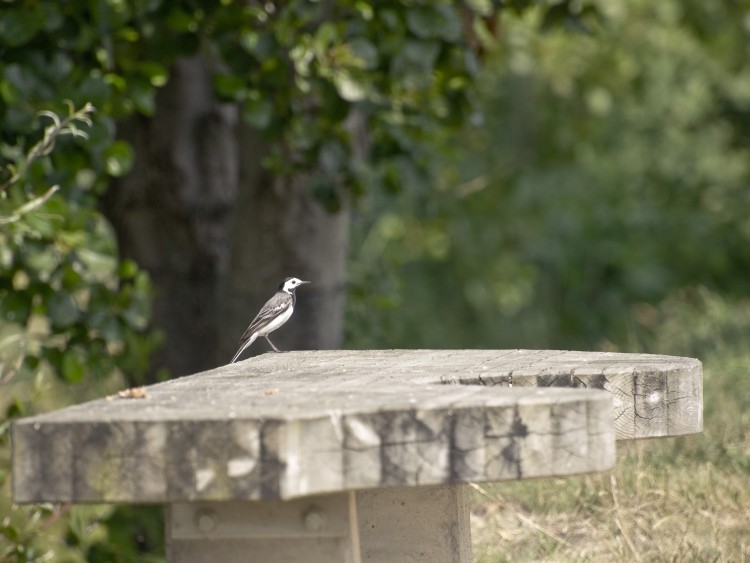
(290, 284)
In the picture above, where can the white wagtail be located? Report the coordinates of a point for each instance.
(274, 313)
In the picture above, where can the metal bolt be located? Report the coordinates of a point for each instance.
(205, 520)
(314, 519)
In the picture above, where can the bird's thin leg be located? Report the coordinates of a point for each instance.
(275, 349)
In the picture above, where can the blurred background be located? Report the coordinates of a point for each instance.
(478, 174)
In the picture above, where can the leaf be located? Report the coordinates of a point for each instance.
(118, 158)
(98, 265)
(138, 312)
(434, 22)
(15, 307)
(349, 88)
(20, 26)
(180, 20)
(155, 73)
(519, 6)
(18, 81)
(62, 310)
(10, 532)
(53, 18)
(41, 260)
(365, 53)
(16, 409)
(415, 58)
(325, 193)
(128, 269)
(230, 87)
(142, 95)
(258, 112)
(73, 368)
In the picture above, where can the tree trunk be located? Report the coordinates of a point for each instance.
(281, 231)
(217, 234)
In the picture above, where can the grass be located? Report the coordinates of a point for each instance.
(684, 499)
(644, 510)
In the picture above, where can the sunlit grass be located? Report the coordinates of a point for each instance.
(681, 499)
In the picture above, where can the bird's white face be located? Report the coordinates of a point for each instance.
(292, 283)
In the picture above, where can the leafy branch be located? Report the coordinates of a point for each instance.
(29, 206)
(69, 125)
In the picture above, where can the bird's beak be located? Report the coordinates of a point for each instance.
(300, 281)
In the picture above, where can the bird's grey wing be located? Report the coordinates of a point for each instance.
(273, 308)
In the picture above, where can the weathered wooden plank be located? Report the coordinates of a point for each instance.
(203, 460)
(283, 426)
(42, 462)
(654, 395)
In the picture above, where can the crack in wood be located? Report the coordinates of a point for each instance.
(344, 419)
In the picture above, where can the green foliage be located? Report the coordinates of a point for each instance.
(611, 170)
(69, 308)
(66, 307)
(314, 77)
(63, 302)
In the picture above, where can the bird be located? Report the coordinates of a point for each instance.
(272, 315)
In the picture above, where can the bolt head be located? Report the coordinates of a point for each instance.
(314, 519)
(205, 521)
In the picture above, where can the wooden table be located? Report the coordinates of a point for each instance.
(349, 455)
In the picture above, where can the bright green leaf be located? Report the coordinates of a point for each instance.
(118, 158)
(157, 75)
(128, 269)
(73, 367)
(349, 88)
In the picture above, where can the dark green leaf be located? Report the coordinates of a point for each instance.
(416, 59)
(20, 26)
(62, 310)
(230, 86)
(258, 112)
(434, 22)
(15, 306)
(365, 53)
(16, 409)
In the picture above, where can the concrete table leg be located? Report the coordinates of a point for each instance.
(404, 524)
(318, 529)
(415, 524)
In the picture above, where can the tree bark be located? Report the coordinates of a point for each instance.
(280, 230)
(217, 234)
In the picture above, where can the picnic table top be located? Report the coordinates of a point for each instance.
(281, 426)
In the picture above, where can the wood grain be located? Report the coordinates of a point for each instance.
(282, 426)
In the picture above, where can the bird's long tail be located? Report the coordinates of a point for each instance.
(242, 348)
